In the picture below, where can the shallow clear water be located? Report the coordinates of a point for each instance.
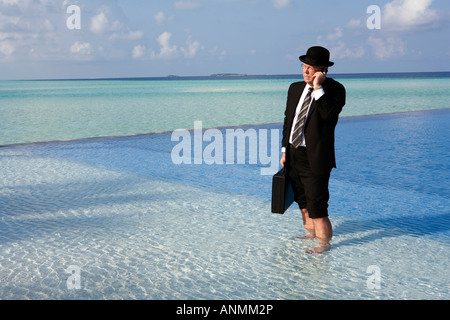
(140, 227)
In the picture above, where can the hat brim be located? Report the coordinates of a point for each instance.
(305, 59)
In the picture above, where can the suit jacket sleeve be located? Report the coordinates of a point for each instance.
(320, 127)
(330, 105)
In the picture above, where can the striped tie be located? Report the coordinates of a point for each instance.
(298, 129)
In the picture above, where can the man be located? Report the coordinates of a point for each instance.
(308, 142)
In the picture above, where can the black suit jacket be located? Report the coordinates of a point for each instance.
(320, 124)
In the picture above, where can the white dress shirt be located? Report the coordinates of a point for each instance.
(316, 94)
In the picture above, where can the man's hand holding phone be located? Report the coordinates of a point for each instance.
(319, 78)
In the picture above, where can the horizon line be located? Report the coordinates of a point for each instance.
(230, 76)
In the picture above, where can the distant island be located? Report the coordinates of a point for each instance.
(228, 75)
(212, 76)
(215, 75)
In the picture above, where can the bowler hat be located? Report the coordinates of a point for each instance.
(317, 56)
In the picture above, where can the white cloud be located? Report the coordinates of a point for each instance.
(167, 51)
(187, 4)
(335, 42)
(354, 23)
(49, 26)
(36, 31)
(6, 49)
(341, 51)
(398, 15)
(220, 54)
(26, 27)
(131, 35)
(10, 35)
(192, 48)
(280, 4)
(404, 15)
(161, 18)
(81, 48)
(9, 2)
(387, 48)
(336, 35)
(99, 23)
(138, 52)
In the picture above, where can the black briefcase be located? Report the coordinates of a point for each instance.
(282, 193)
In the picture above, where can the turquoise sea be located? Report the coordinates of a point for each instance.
(33, 111)
(108, 214)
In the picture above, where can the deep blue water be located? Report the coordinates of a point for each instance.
(408, 151)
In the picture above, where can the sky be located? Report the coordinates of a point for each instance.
(55, 39)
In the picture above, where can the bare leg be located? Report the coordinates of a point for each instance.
(324, 232)
(308, 224)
